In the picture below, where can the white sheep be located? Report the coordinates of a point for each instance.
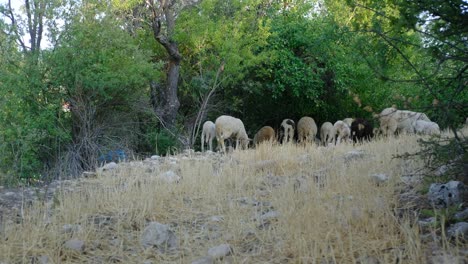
(406, 126)
(343, 131)
(230, 127)
(208, 134)
(348, 121)
(306, 129)
(266, 133)
(287, 130)
(388, 125)
(404, 119)
(426, 128)
(327, 133)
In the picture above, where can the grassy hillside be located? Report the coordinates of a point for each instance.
(273, 204)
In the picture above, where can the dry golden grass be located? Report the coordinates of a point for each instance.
(330, 211)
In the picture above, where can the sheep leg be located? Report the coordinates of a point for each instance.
(203, 142)
(221, 145)
(211, 144)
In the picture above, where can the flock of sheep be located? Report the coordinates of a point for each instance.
(391, 120)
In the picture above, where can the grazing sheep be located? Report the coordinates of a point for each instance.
(388, 126)
(348, 121)
(426, 128)
(406, 126)
(327, 133)
(264, 134)
(208, 134)
(287, 130)
(404, 119)
(306, 129)
(227, 127)
(342, 131)
(361, 129)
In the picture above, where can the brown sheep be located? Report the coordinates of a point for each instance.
(265, 133)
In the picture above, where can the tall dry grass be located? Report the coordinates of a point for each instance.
(328, 210)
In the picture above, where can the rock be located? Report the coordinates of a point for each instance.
(217, 218)
(427, 222)
(68, 228)
(43, 259)
(353, 155)
(270, 215)
(462, 215)
(446, 258)
(169, 177)
(75, 244)
(379, 178)
(155, 157)
(89, 174)
(160, 236)
(102, 220)
(442, 170)
(459, 230)
(220, 251)
(109, 166)
(444, 195)
(204, 260)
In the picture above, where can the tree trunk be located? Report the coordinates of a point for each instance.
(164, 96)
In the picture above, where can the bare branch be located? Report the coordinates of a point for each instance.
(14, 25)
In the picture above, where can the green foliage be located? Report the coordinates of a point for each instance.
(96, 66)
(445, 216)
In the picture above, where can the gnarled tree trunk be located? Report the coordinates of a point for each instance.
(164, 95)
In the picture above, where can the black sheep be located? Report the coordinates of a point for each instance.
(361, 129)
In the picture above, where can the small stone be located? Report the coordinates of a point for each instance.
(169, 177)
(270, 215)
(160, 236)
(427, 222)
(445, 195)
(89, 174)
(462, 215)
(204, 260)
(353, 155)
(155, 157)
(69, 228)
(220, 251)
(379, 178)
(43, 259)
(446, 258)
(109, 166)
(459, 230)
(115, 242)
(217, 218)
(75, 244)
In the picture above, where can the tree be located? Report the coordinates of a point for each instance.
(161, 16)
(103, 75)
